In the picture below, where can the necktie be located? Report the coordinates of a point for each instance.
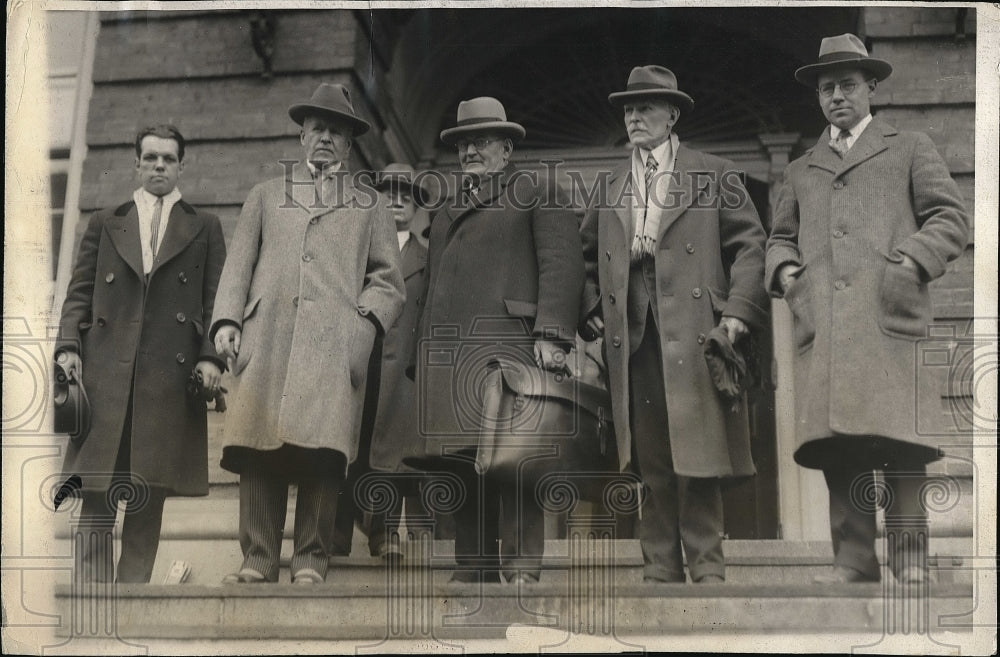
(155, 229)
(839, 145)
(644, 242)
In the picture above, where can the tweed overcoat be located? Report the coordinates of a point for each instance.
(143, 340)
(504, 268)
(859, 313)
(709, 262)
(300, 277)
(394, 436)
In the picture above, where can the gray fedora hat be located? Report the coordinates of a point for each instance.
(333, 100)
(652, 82)
(479, 114)
(843, 51)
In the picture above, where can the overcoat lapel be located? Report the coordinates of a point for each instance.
(123, 229)
(464, 203)
(182, 227)
(870, 143)
(301, 191)
(411, 259)
(677, 190)
(622, 202)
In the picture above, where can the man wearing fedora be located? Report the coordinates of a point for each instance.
(389, 429)
(864, 221)
(313, 277)
(132, 328)
(503, 282)
(674, 249)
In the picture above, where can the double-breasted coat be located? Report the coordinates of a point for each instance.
(394, 433)
(504, 268)
(859, 313)
(709, 262)
(139, 341)
(300, 278)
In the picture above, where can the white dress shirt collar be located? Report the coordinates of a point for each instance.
(855, 132)
(403, 236)
(145, 203)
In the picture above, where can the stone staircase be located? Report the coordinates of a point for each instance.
(591, 591)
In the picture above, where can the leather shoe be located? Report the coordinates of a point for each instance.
(843, 575)
(473, 577)
(244, 576)
(913, 576)
(710, 579)
(307, 577)
(523, 578)
(648, 579)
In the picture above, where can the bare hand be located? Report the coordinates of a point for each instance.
(910, 263)
(596, 325)
(227, 342)
(210, 374)
(735, 328)
(550, 356)
(785, 276)
(72, 363)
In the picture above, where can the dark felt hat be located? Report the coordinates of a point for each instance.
(652, 82)
(843, 51)
(332, 100)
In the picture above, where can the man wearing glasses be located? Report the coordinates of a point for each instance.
(503, 284)
(865, 220)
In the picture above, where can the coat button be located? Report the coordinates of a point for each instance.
(181, 318)
(110, 278)
(608, 254)
(101, 321)
(689, 248)
(701, 338)
(295, 300)
(696, 293)
(611, 298)
(839, 284)
(838, 234)
(616, 341)
(182, 277)
(180, 358)
(839, 184)
(306, 258)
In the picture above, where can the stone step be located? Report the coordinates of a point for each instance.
(416, 605)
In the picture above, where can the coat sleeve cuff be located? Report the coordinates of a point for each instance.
(746, 310)
(776, 259)
(219, 323)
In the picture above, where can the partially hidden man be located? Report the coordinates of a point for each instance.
(312, 278)
(864, 221)
(133, 326)
(674, 250)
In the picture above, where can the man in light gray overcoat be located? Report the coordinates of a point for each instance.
(865, 220)
(314, 276)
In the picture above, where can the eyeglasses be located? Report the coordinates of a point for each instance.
(847, 87)
(479, 142)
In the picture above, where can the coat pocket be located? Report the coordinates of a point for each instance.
(904, 301)
(798, 297)
(521, 308)
(361, 350)
(248, 335)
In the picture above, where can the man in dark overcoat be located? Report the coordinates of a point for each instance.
(864, 221)
(503, 283)
(313, 276)
(132, 328)
(673, 249)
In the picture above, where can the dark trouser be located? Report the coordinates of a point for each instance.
(852, 518)
(140, 537)
(676, 509)
(263, 503)
(495, 509)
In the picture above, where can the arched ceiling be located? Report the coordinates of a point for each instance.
(554, 68)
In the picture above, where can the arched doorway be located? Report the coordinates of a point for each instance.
(553, 70)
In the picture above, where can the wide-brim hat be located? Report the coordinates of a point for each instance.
(481, 114)
(843, 51)
(652, 82)
(332, 100)
(402, 176)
